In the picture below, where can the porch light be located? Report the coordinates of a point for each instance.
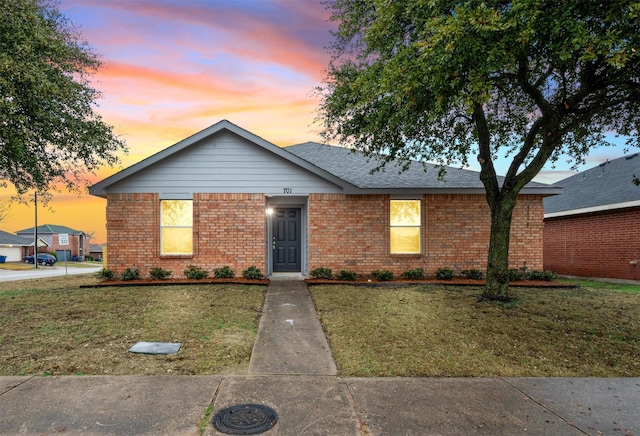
(269, 211)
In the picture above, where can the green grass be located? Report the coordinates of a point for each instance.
(606, 286)
(55, 327)
(16, 266)
(446, 331)
(52, 326)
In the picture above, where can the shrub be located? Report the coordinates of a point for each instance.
(321, 273)
(546, 276)
(159, 273)
(347, 276)
(223, 273)
(474, 274)
(88, 258)
(105, 274)
(382, 275)
(416, 273)
(252, 272)
(130, 274)
(517, 274)
(445, 273)
(195, 272)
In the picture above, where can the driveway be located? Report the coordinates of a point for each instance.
(45, 271)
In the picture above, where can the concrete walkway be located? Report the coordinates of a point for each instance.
(290, 339)
(291, 372)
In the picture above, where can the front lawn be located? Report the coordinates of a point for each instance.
(445, 331)
(52, 326)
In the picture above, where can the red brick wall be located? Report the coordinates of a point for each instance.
(352, 232)
(594, 245)
(228, 229)
(345, 232)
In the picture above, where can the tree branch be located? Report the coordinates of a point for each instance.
(531, 90)
(524, 151)
(487, 170)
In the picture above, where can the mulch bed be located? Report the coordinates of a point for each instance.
(176, 282)
(362, 281)
(431, 281)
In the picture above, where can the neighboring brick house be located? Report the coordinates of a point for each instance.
(224, 196)
(593, 228)
(78, 245)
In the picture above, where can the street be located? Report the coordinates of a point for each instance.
(45, 271)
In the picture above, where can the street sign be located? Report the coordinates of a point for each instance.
(63, 239)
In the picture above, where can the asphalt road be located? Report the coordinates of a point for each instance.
(45, 271)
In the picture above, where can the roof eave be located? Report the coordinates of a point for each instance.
(546, 191)
(593, 209)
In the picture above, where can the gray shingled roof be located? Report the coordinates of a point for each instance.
(355, 168)
(606, 184)
(51, 229)
(11, 239)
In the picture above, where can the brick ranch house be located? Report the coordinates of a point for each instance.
(593, 228)
(225, 196)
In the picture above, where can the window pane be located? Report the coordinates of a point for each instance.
(177, 240)
(405, 240)
(405, 212)
(177, 212)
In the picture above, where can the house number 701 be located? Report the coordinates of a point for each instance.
(287, 190)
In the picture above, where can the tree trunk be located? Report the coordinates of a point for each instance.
(497, 286)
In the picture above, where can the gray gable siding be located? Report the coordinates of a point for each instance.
(224, 163)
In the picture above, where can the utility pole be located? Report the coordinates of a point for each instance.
(35, 230)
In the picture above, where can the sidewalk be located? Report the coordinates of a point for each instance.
(309, 400)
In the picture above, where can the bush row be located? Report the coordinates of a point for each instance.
(225, 272)
(441, 274)
(191, 272)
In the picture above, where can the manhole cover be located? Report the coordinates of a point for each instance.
(245, 419)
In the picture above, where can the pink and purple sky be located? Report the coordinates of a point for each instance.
(174, 67)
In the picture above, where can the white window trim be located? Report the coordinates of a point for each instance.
(419, 226)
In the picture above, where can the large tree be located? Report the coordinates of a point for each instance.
(50, 134)
(531, 80)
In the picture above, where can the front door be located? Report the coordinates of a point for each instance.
(286, 240)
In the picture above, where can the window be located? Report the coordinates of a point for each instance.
(176, 227)
(405, 226)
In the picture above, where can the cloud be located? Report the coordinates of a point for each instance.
(289, 34)
(173, 68)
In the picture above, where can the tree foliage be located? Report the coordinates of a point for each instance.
(533, 80)
(50, 133)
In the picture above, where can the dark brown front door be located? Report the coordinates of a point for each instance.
(286, 240)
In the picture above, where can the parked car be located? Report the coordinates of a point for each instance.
(43, 258)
